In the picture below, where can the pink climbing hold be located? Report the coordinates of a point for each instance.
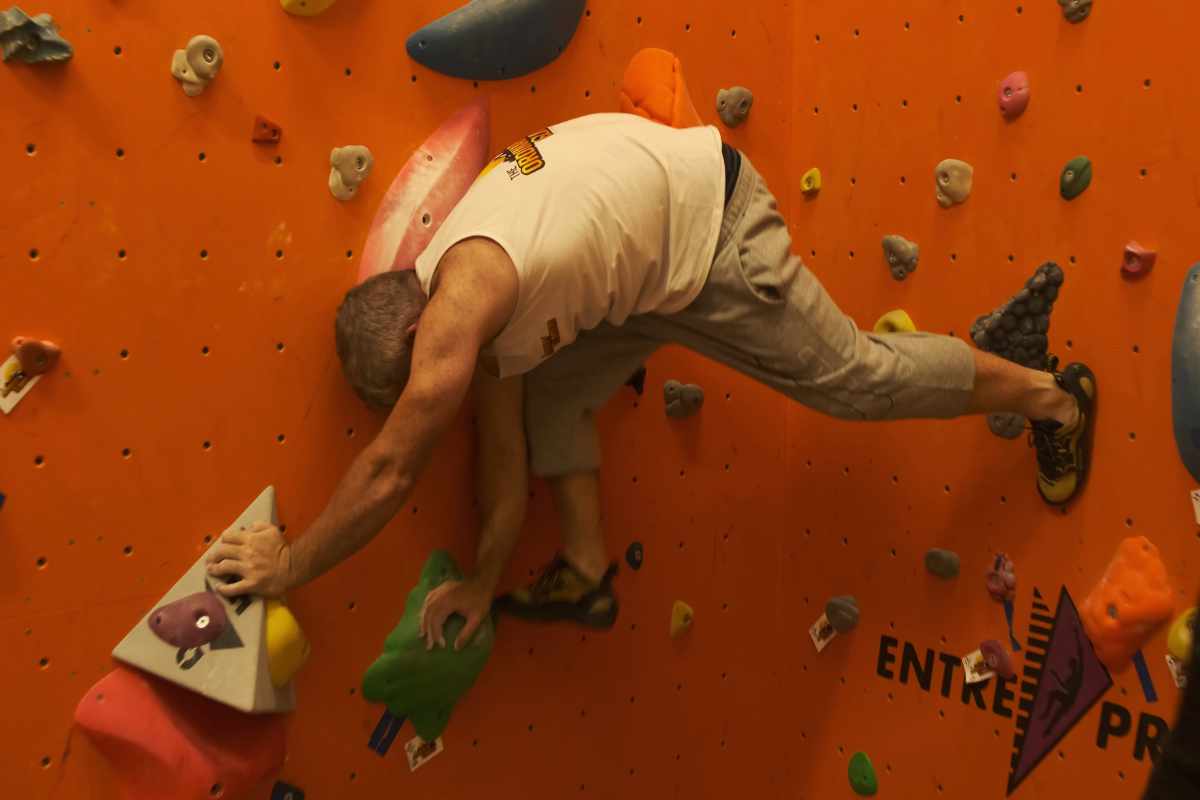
(165, 741)
(998, 659)
(1014, 95)
(1138, 260)
(426, 190)
(1002, 579)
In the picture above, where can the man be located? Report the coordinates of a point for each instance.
(577, 252)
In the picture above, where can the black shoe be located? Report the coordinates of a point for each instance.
(562, 593)
(1064, 455)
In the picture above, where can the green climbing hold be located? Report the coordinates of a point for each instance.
(862, 775)
(943, 563)
(421, 684)
(1076, 176)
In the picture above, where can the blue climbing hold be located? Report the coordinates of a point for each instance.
(1185, 373)
(497, 39)
(285, 791)
(2, 499)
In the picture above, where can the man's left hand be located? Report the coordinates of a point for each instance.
(469, 598)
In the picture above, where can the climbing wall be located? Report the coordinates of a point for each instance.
(191, 278)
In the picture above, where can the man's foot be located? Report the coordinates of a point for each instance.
(562, 593)
(1064, 452)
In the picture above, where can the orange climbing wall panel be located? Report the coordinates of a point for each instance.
(191, 278)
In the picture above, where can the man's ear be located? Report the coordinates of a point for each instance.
(411, 333)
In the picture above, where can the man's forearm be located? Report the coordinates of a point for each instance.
(503, 491)
(370, 494)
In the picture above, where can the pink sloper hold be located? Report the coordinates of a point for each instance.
(1013, 95)
(426, 190)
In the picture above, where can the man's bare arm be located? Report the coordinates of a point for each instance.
(472, 303)
(502, 485)
(502, 473)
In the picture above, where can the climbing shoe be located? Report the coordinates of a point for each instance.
(562, 593)
(1064, 454)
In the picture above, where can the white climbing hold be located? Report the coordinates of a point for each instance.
(348, 167)
(196, 66)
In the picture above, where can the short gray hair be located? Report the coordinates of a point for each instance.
(372, 334)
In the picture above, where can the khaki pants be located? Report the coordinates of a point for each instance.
(764, 314)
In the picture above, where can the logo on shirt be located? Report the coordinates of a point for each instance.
(522, 156)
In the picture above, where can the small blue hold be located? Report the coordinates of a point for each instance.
(285, 791)
(2, 499)
(633, 555)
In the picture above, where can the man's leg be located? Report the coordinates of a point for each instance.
(577, 499)
(763, 313)
(562, 397)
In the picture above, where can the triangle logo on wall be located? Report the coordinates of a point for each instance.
(212, 645)
(1061, 681)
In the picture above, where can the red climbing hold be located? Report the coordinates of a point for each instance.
(266, 131)
(1138, 260)
(36, 357)
(165, 741)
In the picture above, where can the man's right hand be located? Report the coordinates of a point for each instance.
(470, 598)
(258, 560)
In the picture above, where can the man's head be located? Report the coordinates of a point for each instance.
(375, 328)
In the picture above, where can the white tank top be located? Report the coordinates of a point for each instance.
(604, 216)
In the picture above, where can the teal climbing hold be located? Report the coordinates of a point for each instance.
(943, 563)
(862, 776)
(497, 39)
(1076, 177)
(421, 684)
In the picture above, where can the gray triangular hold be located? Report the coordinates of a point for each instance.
(233, 668)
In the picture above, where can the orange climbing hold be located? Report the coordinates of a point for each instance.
(265, 131)
(1131, 601)
(165, 741)
(653, 87)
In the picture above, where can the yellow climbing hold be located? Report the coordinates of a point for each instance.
(1179, 637)
(810, 182)
(287, 648)
(897, 321)
(681, 619)
(306, 8)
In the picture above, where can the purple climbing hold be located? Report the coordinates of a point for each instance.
(1002, 579)
(190, 621)
(998, 659)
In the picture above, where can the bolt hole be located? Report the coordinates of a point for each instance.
(279, 346)
(121, 254)
(124, 353)
(127, 549)
(34, 255)
(31, 148)
(120, 152)
(41, 562)
(279, 255)
(277, 66)
(202, 156)
(204, 255)
(45, 762)
(348, 72)
(1079, 88)
(206, 445)
(281, 438)
(126, 453)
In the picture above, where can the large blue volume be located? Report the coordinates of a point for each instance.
(1185, 373)
(490, 40)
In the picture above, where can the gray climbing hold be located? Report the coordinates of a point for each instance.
(943, 563)
(1006, 426)
(733, 105)
(197, 65)
(682, 399)
(348, 167)
(842, 613)
(901, 254)
(1017, 330)
(34, 40)
(953, 181)
(1076, 10)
